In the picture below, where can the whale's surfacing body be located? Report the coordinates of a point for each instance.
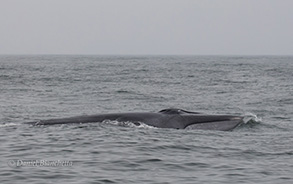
(167, 118)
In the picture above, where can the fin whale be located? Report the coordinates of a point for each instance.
(167, 118)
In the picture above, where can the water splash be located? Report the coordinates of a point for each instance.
(251, 118)
(8, 124)
(128, 124)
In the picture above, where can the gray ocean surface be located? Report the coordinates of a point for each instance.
(48, 86)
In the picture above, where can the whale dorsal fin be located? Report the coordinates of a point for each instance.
(176, 111)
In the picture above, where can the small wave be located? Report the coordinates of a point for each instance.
(122, 91)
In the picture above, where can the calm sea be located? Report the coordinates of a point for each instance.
(44, 87)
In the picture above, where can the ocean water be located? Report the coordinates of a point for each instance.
(44, 87)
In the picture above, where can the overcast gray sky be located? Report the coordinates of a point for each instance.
(236, 27)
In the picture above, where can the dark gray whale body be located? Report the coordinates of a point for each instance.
(167, 118)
